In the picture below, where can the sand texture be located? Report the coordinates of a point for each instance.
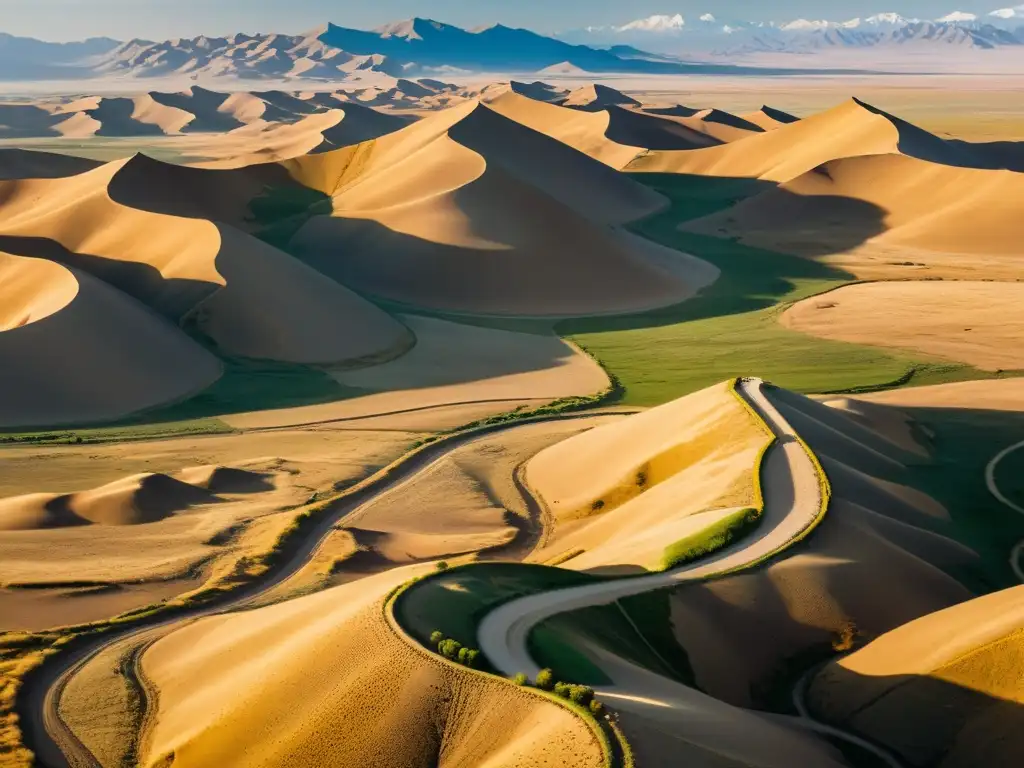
(978, 323)
(943, 690)
(323, 680)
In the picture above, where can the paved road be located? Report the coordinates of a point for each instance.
(55, 744)
(792, 504)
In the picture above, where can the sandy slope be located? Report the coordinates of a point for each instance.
(672, 718)
(470, 211)
(874, 563)
(147, 563)
(625, 491)
(891, 202)
(998, 395)
(124, 357)
(769, 118)
(250, 298)
(943, 690)
(613, 135)
(979, 323)
(481, 371)
(849, 130)
(324, 681)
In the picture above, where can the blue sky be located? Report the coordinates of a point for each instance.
(76, 19)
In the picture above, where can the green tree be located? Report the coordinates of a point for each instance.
(545, 679)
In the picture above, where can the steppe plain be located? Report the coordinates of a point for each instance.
(339, 427)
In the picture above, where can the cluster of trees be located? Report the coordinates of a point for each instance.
(454, 650)
(582, 695)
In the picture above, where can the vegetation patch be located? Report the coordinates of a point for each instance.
(732, 327)
(713, 538)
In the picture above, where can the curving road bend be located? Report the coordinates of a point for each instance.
(55, 744)
(792, 504)
(1017, 555)
(793, 501)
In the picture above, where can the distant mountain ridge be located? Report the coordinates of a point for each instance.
(710, 34)
(412, 47)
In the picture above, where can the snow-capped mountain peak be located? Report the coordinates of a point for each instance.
(656, 23)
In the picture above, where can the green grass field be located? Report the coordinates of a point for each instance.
(731, 328)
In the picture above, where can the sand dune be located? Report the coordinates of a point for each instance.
(890, 202)
(627, 490)
(26, 164)
(134, 500)
(124, 358)
(769, 118)
(247, 296)
(995, 395)
(470, 211)
(877, 561)
(220, 479)
(979, 323)
(323, 680)
(596, 97)
(943, 690)
(613, 135)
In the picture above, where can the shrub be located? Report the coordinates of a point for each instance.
(598, 505)
(545, 679)
(464, 656)
(596, 707)
(562, 689)
(436, 637)
(471, 657)
(581, 694)
(449, 648)
(442, 565)
(521, 679)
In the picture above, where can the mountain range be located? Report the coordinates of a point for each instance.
(708, 33)
(412, 47)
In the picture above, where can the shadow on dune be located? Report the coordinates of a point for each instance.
(925, 720)
(751, 278)
(171, 297)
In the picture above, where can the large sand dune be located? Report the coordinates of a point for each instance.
(323, 680)
(74, 350)
(878, 560)
(849, 130)
(613, 135)
(247, 296)
(624, 492)
(944, 690)
(470, 211)
(26, 164)
(134, 500)
(893, 203)
(979, 323)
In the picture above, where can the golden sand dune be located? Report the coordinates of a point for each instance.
(26, 164)
(769, 118)
(613, 135)
(134, 500)
(596, 97)
(722, 127)
(627, 490)
(994, 395)
(221, 479)
(873, 564)
(849, 130)
(889, 201)
(323, 680)
(247, 296)
(979, 323)
(470, 211)
(124, 357)
(944, 690)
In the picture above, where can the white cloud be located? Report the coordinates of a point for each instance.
(656, 23)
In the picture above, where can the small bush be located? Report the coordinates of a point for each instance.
(562, 689)
(545, 679)
(464, 656)
(598, 505)
(449, 648)
(521, 679)
(596, 708)
(471, 657)
(581, 694)
(442, 566)
(436, 637)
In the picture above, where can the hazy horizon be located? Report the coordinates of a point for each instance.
(65, 20)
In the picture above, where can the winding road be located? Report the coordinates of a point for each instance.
(55, 744)
(792, 505)
(1017, 554)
